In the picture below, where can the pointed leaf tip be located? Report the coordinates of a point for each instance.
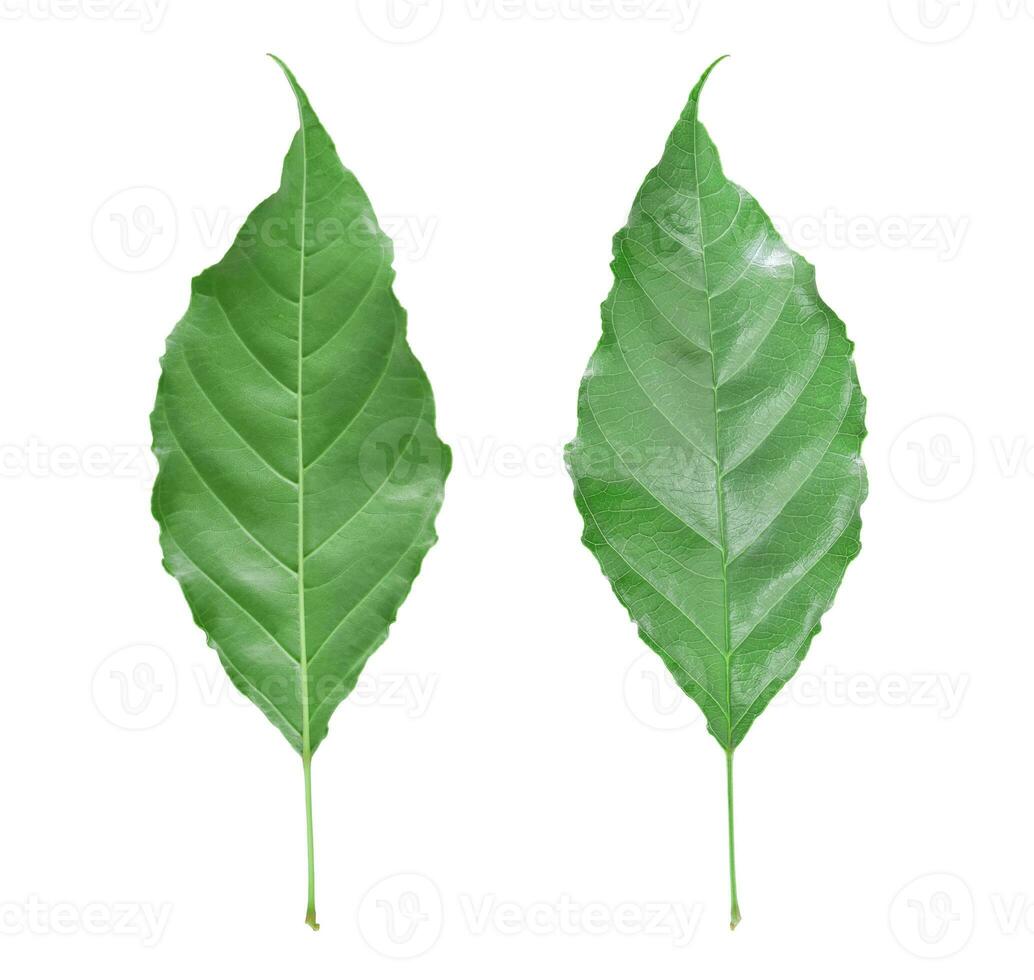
(299, 93)
(279, 61)
(698, 88)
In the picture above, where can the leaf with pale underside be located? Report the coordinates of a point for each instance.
(300, 472)
(717, 461)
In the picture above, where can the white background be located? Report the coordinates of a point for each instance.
(511, 752)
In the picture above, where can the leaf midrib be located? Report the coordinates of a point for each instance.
(303, 660)
(722, 542)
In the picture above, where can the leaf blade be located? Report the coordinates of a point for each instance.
(717, 461)
(294, 542)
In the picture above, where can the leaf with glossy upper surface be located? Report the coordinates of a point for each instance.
(717, 462)
(300, 472)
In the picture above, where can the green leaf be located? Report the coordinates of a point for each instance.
(717, 463)
(299, 469)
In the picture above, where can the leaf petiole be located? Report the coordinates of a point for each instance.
(735, 913)
(310, 912)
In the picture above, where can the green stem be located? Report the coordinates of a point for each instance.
(310, 912)
(735, 919)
